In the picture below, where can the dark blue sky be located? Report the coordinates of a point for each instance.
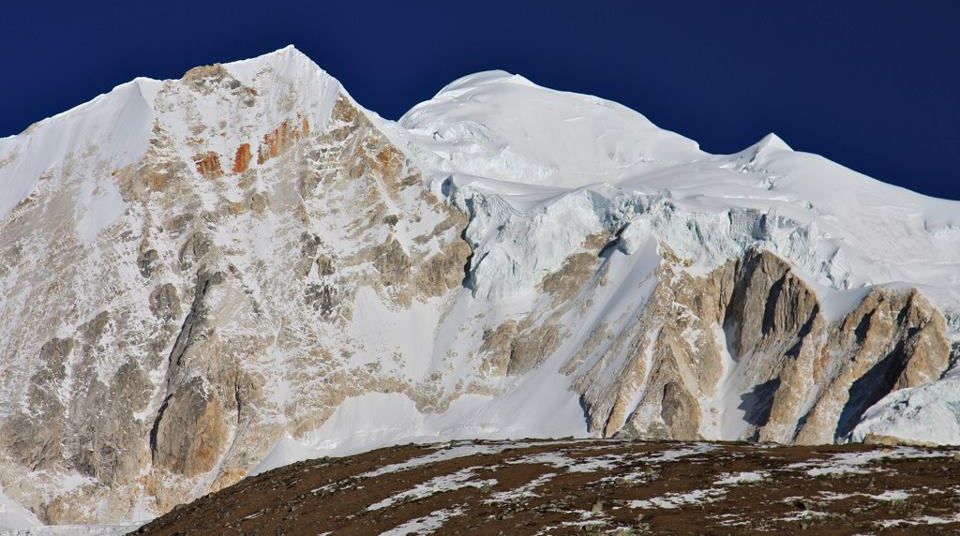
(872, 85)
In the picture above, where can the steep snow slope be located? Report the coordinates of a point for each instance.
(503, 126)
(498, 133)
(114, 128)
(207, 277)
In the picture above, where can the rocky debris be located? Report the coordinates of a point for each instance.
(591, 487)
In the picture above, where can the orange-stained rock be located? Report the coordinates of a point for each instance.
(282, 138)
(208, 165)
(276, 142)
(242, 159)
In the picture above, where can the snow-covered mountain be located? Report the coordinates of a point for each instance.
(212, 276)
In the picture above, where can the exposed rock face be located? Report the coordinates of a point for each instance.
(178, 302)
(893, 340)
(191, 430)
(241, 160)
(168, 375)
(282, 138)
(208, 165)
(754, 331)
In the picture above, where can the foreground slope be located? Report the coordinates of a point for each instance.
(215, 276)
(590, 487)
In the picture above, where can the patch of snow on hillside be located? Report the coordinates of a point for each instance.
(443, 483)
(678, 500)
(745, 477)
(428, 524)
(525, 491)
(859, 462)
(443, 454)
